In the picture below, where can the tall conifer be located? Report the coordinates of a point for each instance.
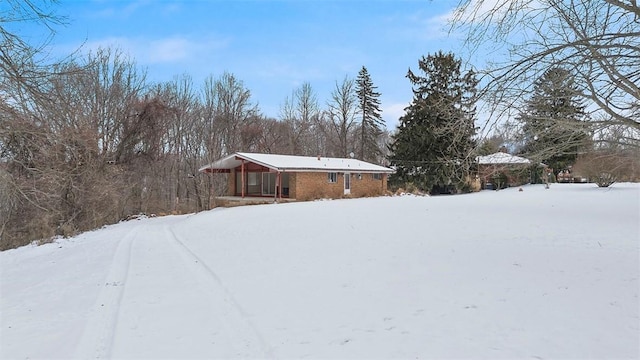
(433, 143)
(371, 123)
(553, 130)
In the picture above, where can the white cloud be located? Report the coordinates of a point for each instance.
(127, 45)
(172, 49)
(134, 6)
(475, 9)
(417, 26)
(392, 113)
(115, 10)
(491, 10)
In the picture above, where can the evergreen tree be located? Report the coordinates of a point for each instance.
(553, 126)
(433, 145)
(371, 123)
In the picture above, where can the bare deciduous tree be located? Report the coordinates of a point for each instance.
(272, 137)
(229, 102)
(598, 40)
(341, 113)
(301, 113)
(605, 163)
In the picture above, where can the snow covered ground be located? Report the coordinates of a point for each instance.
(533, 274)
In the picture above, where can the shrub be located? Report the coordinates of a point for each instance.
(603, 167)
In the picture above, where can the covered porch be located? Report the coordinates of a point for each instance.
(257, 181)
(250, 181)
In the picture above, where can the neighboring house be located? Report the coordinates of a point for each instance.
(299, 177)
(501, 170)
(569, 176)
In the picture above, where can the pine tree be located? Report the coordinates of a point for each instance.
(433, 145)
(371, 123)
(553, 126)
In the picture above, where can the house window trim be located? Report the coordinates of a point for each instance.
(332, 177)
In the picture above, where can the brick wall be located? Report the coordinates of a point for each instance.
(292, 185)
(308, 186)
(315, 185)
(366, 185)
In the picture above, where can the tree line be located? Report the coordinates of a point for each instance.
(566, 96)
(88, 140)
(568, 93)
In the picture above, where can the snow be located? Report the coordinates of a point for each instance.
(501, 158)
(509, 274)
(297, 163)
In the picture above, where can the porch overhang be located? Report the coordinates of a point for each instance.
(290, 163)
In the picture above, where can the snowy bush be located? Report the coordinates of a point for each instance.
(605, 179)
(603, 167)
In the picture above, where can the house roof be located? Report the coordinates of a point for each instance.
(292, 163)
(501, 158)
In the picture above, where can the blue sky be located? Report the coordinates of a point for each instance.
(272, 46)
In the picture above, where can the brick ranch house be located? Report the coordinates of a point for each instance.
(299, 177)
(500, 170)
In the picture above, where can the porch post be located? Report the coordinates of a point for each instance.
(280, 185)
(242, 174)
(212, 193)
(275, 187)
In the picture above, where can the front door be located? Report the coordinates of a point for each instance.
(347, 183)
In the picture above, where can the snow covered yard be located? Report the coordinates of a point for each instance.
(533, 274)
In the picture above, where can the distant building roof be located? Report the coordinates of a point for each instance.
(501, 158)
(292, 163)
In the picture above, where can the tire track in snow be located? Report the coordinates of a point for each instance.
(97, 338)
(242, 330)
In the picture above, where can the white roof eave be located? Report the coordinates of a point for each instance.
(291, 163)
(502, 159)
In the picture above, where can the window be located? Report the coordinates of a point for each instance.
(252, 179)
(268, 183)
(332, 177)
(376, 176)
